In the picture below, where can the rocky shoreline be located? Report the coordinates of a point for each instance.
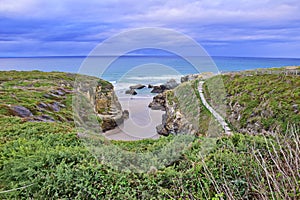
(50, 100)
(173, 121)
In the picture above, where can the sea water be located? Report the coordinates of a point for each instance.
(129, 70)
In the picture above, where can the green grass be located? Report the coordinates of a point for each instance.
(57, 164)
(52, 158)
(187, 100)
(264, 99)
(28, 89)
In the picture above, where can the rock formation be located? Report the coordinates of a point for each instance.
(169, 85)
(173, 121)
(19, 111)
(108, 107)
(190, 77)
(131, 92)
(158, 89)
(97, 97)
(138, 87)
(158, 102)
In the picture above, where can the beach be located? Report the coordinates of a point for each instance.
(141, 122)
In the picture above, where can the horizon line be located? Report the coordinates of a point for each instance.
(142, 55)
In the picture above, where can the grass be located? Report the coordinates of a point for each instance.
(27, 89)
(55, 163)
(58, 164)
(265, 99)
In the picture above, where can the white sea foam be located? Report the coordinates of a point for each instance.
(124, 83)
(154, 78)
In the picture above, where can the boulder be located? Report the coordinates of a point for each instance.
(171, 84)
(158, 89)
(67, 91)
(138, 87)
(42, 105)
(125, 114)
(160, 129)
(131, 92)
(20, 111)
(52, 96)
(58, 92)
(189, 77)
(109, 123)
(150, 86)
(158, 102)
(47, 96)
(54, 106)
(43, 118)
(295, 108)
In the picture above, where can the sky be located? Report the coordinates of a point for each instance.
(246, 28)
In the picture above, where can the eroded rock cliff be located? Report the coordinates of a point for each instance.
(101, 102)
(176, 119)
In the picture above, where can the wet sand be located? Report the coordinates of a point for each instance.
(141, 122)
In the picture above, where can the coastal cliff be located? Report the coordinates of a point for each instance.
(184, 112)
(252, 102)
(47, 97)
(258, 102)
(108, 107)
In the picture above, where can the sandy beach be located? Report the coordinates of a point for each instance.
(141, 122)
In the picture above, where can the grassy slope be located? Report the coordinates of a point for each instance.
(52, 158)
(27, 89)
(266, 99)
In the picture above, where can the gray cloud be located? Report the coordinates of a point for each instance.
(214, 23)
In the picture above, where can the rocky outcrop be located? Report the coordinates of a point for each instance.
(131, 92)
(125, 114)
(191, 77)
(97, 96)
(132, 89)
(169, 85)
(19, 111)
(138, 87)
(42, 118)
(158, 102)
(108, 107)
(85, 101)
(173, 121)
(158, 89)
(55, 106)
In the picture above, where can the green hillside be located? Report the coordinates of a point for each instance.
(52, 162)
(261, 103)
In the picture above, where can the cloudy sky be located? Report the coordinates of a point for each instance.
(265, 28)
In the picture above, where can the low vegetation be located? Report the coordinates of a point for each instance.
(258, 103)
(52, 160)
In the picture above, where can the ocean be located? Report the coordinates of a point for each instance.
(129, 70)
